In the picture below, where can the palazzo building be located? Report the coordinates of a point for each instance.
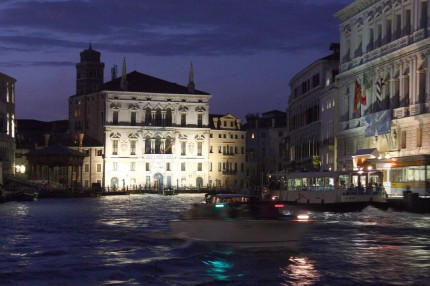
(227, 153)
(304, 114)
(7, 125)
(384, 84)
(156, 134)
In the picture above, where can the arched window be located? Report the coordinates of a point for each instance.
(148, 145)
(168, 146)
(199, 182)
(158, 117)
(168, 117)
(114, 183)
(157, 145)
(148, 116)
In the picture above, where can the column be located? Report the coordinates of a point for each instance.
(152, 146)
(163, 118)
(413, 82)
(427, 77)
(421, 86)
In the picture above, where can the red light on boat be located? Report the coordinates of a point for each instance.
(279, 205)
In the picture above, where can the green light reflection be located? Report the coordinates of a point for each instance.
(219, 269)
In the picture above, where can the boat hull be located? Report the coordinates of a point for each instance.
(242, 233)
(333, 201)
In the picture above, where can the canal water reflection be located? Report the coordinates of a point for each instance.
(124, 240)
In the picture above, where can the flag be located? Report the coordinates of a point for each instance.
(357, 96)
(379, 84)
(367, 85)
(367, 82)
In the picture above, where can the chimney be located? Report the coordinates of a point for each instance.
(46, 139)
(81, 139)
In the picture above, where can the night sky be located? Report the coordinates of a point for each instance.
(244, 53)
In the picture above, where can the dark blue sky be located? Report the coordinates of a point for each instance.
(244, 52)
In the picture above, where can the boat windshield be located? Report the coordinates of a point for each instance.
(311, 184)
(229, 198)
(349, 181)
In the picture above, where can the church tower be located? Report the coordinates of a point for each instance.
(89, 72)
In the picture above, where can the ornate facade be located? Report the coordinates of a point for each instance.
(384, 88)
(156, 134)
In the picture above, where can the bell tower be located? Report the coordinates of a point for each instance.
(89, 72)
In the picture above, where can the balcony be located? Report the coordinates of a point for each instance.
(354, 123)
(344, 125)
(416, 109)
(400, 112)
(229, 172)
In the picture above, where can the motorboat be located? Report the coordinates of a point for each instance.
(242, 221)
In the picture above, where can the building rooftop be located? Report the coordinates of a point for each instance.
(139, 82)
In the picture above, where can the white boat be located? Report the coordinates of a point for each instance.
(331, 191)
(240, 221)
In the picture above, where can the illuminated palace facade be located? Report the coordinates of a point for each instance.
(7, 125)
(227, 152)
(156, 134)
(384, 84)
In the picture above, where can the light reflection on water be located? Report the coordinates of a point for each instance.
(125, 240)
(301, 271)
(219, 269)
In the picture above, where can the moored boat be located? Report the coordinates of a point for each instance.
(243, 222)
(24, 194)
(168, 192)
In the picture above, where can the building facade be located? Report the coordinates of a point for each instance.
(384, 85)
(265, 145)
(304, 116)
(7, 125)
(156, 134)
(329, 112)
(36, 135)
(227, 155)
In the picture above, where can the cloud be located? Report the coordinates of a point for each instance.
(36, 64)
(160, 28)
